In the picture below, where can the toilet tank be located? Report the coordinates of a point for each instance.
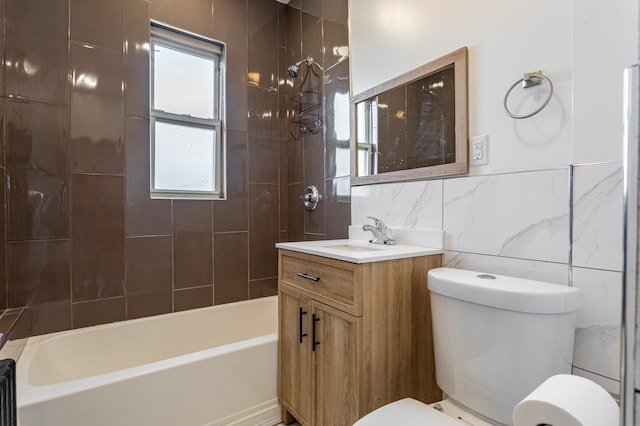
(497, 338)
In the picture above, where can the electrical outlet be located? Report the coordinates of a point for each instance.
(479, 150)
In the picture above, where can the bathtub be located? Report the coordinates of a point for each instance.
(209, 366)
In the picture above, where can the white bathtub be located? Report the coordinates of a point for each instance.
(210, 366)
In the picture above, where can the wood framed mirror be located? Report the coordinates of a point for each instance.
(413, 126)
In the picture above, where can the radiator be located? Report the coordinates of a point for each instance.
(8, 415)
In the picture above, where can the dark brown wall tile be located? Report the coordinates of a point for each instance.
(284, 198)
(232, 214)
(262, 38)
(264, 156)
(312, 6)
(3, 245)
(38, 277)
(231, 267)
(37, 184)
(263, 288)
(337, 142)
(136, 61)
(264, 149)
(3, 281)
(149, 276)
(237, 103)
(263, 108)
(161, 10)
(264, 230)
(294, 34)
(313, 146)
(98, 236)
(97, 22)
(192, 246)
(96, 110)
(230, 27)
(95, 312)
(296, 212)
(144, 215)
(44, 75)
(336, 11)
(2, 43)
(314, 237)
(338, 207)
(263, 43)
(192, 298)
(312, 37)
(282, 74)
(282, 25)
(194, 15)
(230, 21)
(295, 166)
(336, 42)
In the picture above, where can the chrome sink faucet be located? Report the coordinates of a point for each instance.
(381, 233)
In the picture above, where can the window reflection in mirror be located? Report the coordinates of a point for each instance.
(413, 126)
(409, 127)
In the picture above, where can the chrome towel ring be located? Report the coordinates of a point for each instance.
(530, 79)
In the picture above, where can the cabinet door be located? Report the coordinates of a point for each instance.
(335, 365)
(295, 354)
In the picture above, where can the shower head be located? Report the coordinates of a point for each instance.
(293, 69)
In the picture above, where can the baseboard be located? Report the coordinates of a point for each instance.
(265, 414)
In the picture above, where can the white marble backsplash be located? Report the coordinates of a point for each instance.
(400, 205)
(597, 341)
(597, 217)
(556, 273)
(519, 215)
(518, 224)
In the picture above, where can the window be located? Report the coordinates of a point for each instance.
(187, 137)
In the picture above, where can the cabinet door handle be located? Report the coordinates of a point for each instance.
(313, 332)
(309, 277)
(301, 334)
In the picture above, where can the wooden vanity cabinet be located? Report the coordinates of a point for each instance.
(352, 337)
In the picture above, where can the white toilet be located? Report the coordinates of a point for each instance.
(496, 339)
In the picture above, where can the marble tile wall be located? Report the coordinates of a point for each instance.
(528, 225)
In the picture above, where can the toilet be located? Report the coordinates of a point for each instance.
(496, 339)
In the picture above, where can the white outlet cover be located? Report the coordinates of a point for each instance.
(479, 147)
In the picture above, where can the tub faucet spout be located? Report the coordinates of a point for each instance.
(381, 232)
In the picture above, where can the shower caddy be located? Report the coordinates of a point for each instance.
(307, 103)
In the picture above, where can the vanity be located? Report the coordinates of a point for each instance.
(354, 329)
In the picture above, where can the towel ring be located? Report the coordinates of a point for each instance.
(531, 79)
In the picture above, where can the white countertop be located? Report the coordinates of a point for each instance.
(356, 251)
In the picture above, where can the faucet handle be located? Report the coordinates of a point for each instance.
(377, 222)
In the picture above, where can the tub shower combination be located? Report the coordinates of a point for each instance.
(209, 366)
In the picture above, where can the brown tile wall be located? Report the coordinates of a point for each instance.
(318, 28)
(81, 242)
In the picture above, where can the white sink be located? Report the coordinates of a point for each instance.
(357, 251)
(357, 247)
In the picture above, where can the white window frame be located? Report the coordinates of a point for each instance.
(197, 45)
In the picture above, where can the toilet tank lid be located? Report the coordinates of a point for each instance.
(504, 292)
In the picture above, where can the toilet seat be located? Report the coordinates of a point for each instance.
(407, 412)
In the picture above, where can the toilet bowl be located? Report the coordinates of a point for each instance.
(410, 412)
(496, 338)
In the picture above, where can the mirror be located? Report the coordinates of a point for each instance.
(413, 126)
